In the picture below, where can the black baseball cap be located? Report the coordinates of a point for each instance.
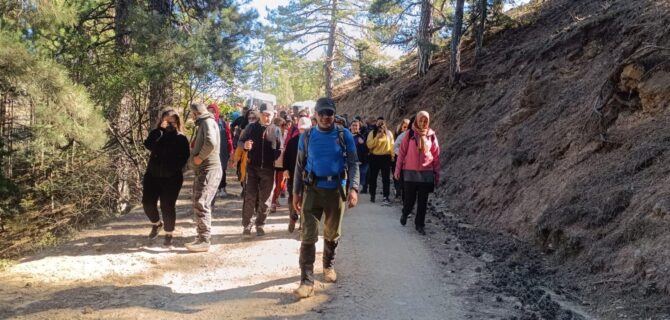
(324, 104)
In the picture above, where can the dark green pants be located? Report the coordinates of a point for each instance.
(317, 202)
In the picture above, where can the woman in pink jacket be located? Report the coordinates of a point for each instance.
(419, 163)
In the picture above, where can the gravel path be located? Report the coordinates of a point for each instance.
(112, 271)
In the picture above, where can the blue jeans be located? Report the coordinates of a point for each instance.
(363, 170)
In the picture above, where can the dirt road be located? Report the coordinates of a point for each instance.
(386, 271)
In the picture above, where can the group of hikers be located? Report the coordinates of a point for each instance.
(321, 160)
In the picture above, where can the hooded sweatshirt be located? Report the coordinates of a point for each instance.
(414, 164)
(206, 143)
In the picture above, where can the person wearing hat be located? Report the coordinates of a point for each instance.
(326, 182)
(206, 163)
(290, 155)
(263, 144)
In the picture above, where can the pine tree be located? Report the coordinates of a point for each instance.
(456, 33)
(410, 25)
(320, 24)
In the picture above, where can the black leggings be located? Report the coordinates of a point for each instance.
(380, 164)
(416, 192)
(165, 189)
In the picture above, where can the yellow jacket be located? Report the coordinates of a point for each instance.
(381, 146)
(241, 155)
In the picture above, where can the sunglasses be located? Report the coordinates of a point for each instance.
(326, 113)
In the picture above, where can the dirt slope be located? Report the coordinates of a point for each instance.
(558, 137)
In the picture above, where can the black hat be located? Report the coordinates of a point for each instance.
(380, 118)
(324, 104)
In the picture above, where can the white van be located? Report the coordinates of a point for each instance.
(254, 99)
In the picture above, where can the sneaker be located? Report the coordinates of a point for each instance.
(260, 232)
(372, 199)
(247, 232)
(304, 291)
(155, 229)
(199, 245)
(421, 231)
(168, 240)
(330, 275)
(273, 208)
(291, 226)
(222, 194)
(386, 201)
(282, 195)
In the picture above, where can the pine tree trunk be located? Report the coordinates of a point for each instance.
(119, 115)
(424, 38)
(456, 33)
(122, 36)
(160, 97)
(481, 26)
(330, 51)
(160, 90)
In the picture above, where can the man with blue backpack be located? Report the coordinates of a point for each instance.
(326, 183)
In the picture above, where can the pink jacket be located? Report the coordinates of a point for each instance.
(412, 163)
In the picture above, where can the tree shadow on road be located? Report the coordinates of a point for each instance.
(152, 297)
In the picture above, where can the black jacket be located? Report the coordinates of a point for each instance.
(291, 154)
(362, 148)
(169, 153)
(264, 152)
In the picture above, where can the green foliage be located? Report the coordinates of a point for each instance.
(63, 111)
(374, 74)
(6, 263)
(283, 73)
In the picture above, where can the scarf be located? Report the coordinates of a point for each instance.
(214, 110)
(422, 136)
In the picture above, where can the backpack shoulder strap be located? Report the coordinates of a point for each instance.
(306, 136)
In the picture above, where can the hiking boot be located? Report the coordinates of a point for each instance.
(403, 219)
(329, 275)
(260, 232)
(199, 245)
(247, 232)
(168, 240)
(155, 229)
(304, 291)
(329, 251)
(421, 231)
(307, 256)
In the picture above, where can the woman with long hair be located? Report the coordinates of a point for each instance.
(419, 165)
(279, 123)
(362, 152)
(380, 142)
(163, 179)
(400, 130)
